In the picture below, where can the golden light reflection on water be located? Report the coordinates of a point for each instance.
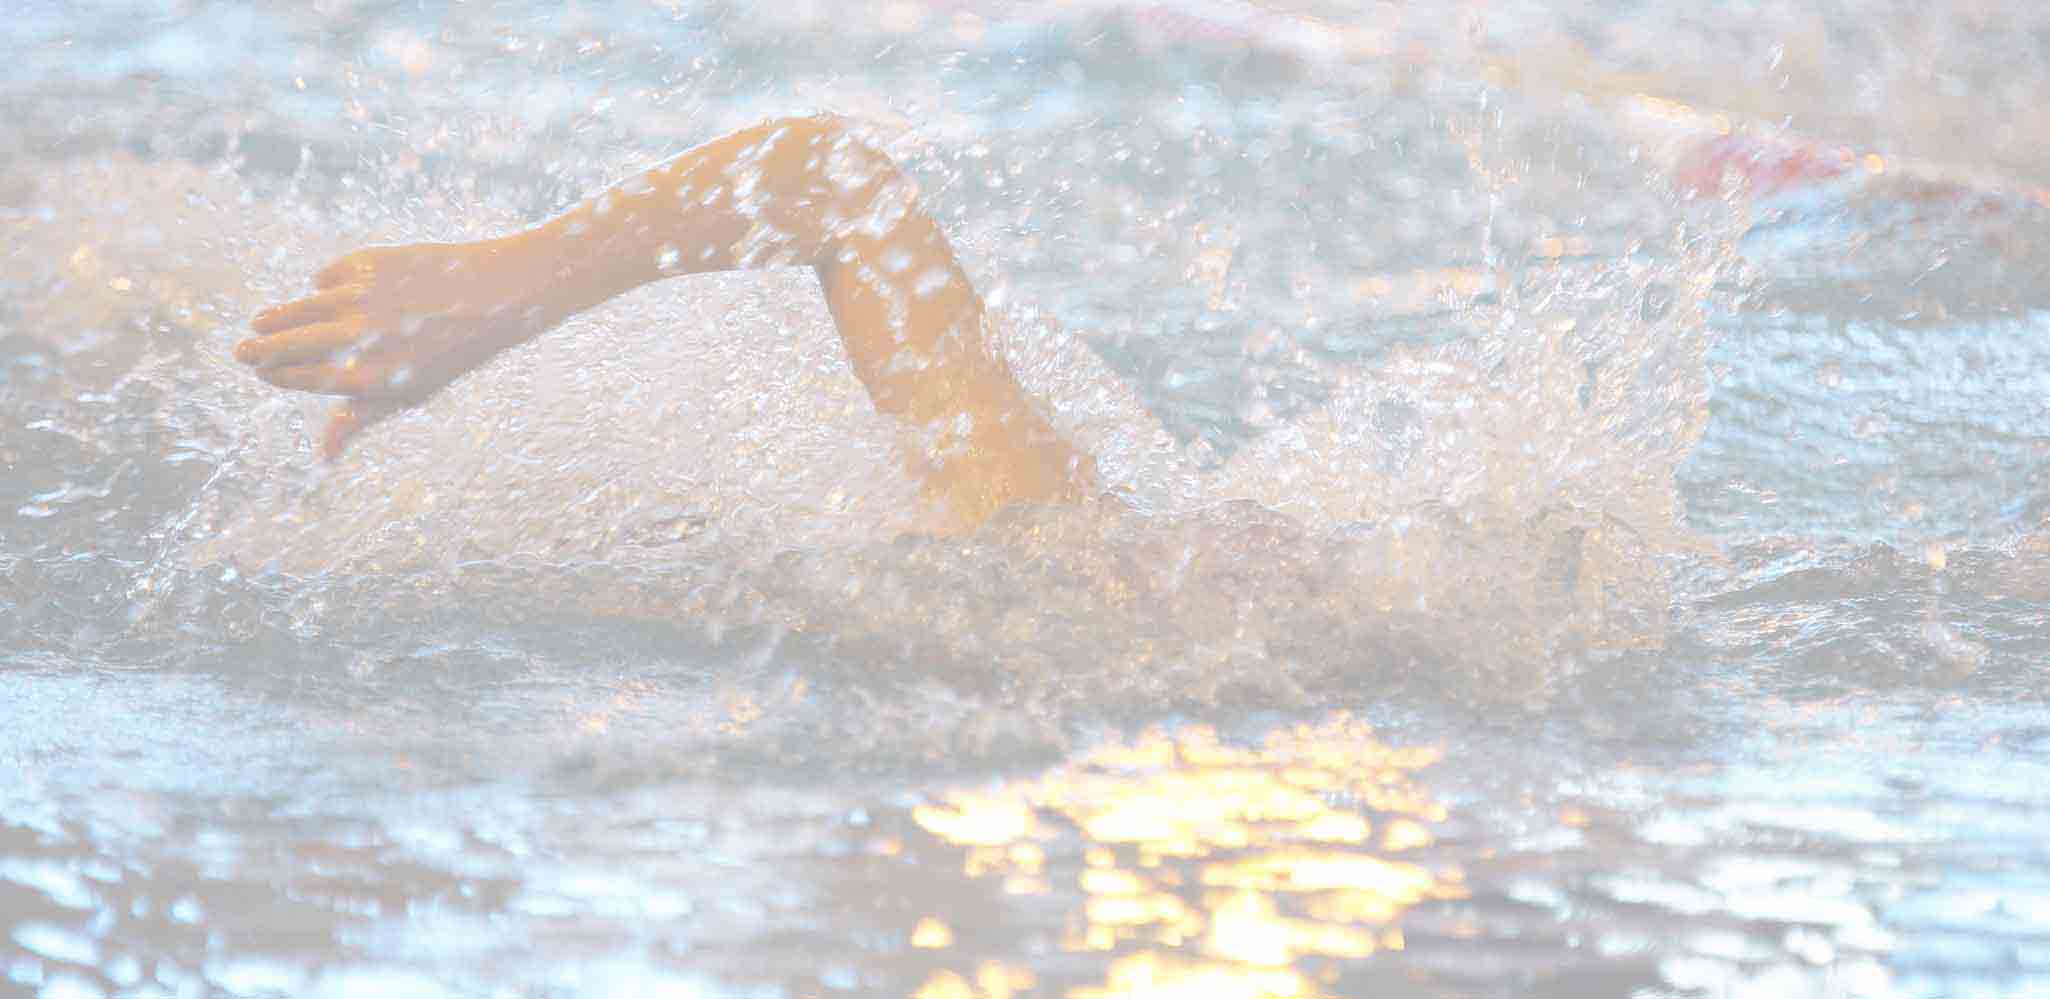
(1210, 869)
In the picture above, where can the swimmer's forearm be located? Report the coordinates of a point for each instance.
(808, 192)
(778, 194)
(674, 219)
(792, 192)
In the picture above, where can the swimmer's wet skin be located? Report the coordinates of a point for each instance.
(389, 326)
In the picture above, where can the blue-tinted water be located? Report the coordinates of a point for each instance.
(1539, 581)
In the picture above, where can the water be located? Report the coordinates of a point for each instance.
(1529, 578)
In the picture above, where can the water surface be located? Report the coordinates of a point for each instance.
(1556, 560)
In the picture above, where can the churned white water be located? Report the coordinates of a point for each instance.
(1573, 525)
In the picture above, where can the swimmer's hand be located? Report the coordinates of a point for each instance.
(389, 326)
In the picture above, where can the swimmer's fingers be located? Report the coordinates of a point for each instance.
(343, 378)
(303, 344)
(350, 419)
(358, 268)
(381, 376)
(321, 307)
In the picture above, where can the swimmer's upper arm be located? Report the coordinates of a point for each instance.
(810, 191)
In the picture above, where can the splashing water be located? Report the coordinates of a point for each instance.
(1425, 360)
(1472, 515)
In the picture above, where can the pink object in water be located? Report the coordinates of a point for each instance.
(1758, 166)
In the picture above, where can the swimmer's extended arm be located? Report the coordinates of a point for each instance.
(389, 326)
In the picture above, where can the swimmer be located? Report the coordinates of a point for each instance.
(389, 326)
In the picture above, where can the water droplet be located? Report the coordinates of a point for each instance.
(57, 944)
(187, 910)
(885, 211)
(744, 183)
(930, 281)
(668, 257)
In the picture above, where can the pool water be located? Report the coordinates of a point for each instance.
(1580, 519)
